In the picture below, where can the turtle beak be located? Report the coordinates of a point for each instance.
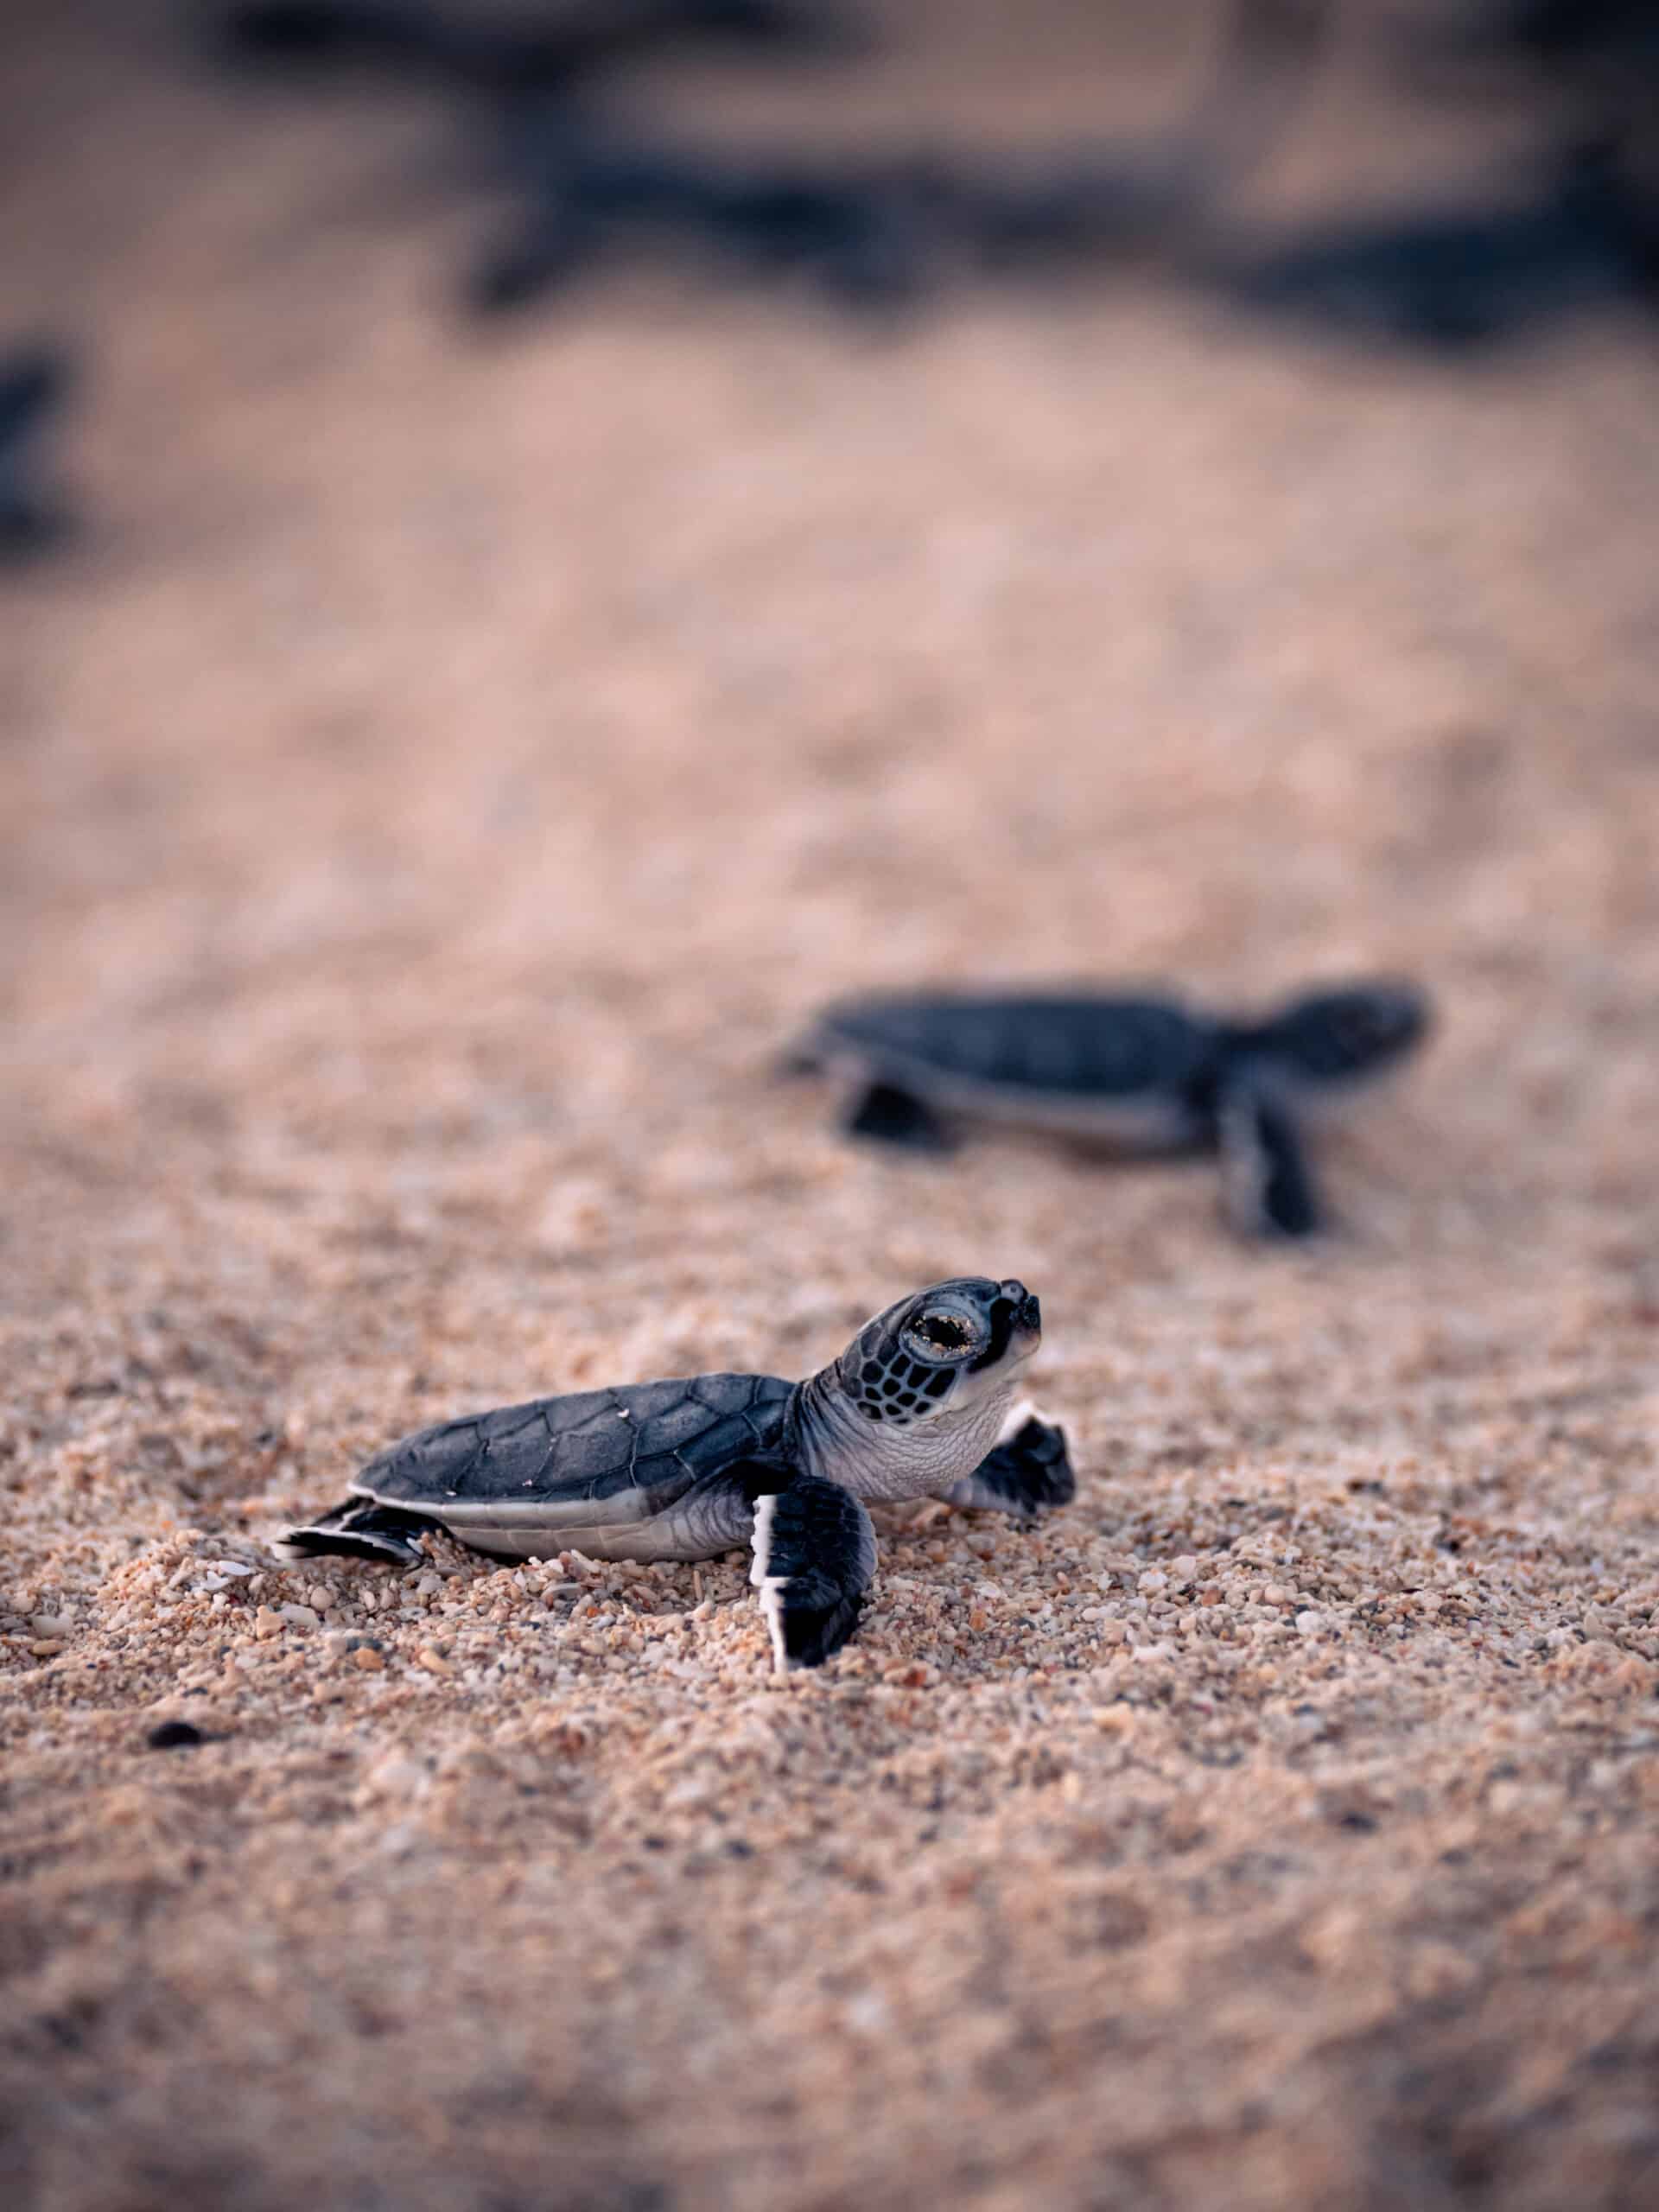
(1026, 1319)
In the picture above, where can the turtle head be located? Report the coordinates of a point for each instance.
(1338, 1036)
(942, 1350)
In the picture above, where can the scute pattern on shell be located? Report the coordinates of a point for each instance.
(660, 1437)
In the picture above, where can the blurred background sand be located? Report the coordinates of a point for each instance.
(435, 782)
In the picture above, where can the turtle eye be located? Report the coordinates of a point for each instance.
(942, 1333)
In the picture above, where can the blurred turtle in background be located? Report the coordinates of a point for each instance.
(1573, 227)
(878, 233)
(34, 382)
(1146, 1073)
(871, 234)
(556, 49)
(864, 240)
(1607, 39)
(1458, 276)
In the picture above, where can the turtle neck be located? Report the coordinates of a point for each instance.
(888, 1459)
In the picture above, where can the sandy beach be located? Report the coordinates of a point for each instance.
(436, 781)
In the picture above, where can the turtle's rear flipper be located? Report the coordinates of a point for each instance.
(362, 1529)
(1269, 1186)
(893, 1116)
(814, 1556)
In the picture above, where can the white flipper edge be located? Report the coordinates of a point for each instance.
(1019, 1413)
(769, 1585)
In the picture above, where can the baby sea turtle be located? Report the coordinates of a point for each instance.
(918, 1406)
(1146, 1072)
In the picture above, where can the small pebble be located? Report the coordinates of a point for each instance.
(173, 1736)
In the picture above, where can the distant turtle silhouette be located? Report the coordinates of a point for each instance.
(1146, 1073)
(34, 381)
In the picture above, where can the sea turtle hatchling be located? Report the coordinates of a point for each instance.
(918, 1406)
(1145, 1072)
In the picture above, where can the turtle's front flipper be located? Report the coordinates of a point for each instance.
(893, 1116)
(1031, 1468)
(361, 1529)
(1268, 1185)
(814, 1556)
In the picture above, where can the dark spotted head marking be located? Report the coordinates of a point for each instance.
(941, 1350)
